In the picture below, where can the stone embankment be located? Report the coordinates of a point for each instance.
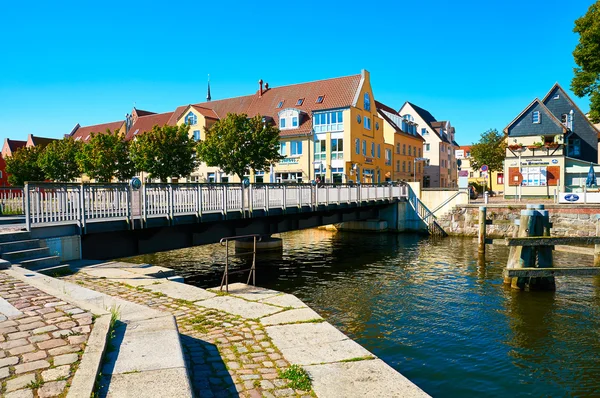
(567, 220)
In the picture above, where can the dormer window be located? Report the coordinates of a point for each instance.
(367, 105)
(280, 104)
(320, 99)
(289, 118)
(191, 119)
(295, 121)
(536, 117)
(281, 123)
(300, 101)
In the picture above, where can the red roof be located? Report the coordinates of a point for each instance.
(144, 124)
(13, 145)
(84, 132)
(205, 111)
(465, 147)
(39, 141)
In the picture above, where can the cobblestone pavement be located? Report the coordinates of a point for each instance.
(41, 348)
(227, 356)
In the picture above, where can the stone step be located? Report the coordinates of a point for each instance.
(40, 262)
(14, 236)
(20, 245)
(28, 254)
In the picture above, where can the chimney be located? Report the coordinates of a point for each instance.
(266, 87)
(260, 91)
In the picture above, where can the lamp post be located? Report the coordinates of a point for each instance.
(415, 166)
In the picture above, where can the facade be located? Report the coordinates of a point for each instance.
(34, 141)
(10, 146)
(439, 146)
(546, 141)
(407, 145)
(494, 180)
(3, 176)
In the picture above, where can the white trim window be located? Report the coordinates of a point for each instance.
(536, 117)
(289, 118)
(337, 148)
(328, 121)
(534, 176)
(320, 150)
(296, 148)
(427, 147)
(191, 119)
(357, 146)
(388, 157)
(283, 148)
(196, 135)
(367, 122)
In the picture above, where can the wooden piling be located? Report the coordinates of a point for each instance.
(482, 233)
(597, 246)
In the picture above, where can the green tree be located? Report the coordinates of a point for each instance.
(238, 144)
(587, 56)
(490, 150)
(23, 166)
(106, 156)
(58, 161)
(164, 152)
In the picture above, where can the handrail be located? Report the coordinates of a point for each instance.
(425, 214)
(444, 203)
(225, 279)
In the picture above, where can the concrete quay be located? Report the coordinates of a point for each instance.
(238, 344)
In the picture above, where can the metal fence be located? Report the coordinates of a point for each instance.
(51, 203)
(11, 201)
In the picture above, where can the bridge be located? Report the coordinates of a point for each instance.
(116, 220)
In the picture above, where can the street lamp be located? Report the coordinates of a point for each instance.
(415, 166)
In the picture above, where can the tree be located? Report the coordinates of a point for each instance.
(164, 152)
(587, 56)
(23, 166)
(58, 161)
(490, 150)
(106, 156)
(238, 144)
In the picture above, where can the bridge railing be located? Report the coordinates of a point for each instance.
(50, 203)
(11, 200)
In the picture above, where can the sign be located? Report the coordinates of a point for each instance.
(135, 183)
(554, 161)
(484, 167)
(571, 197)
(463, 182)
(463, 173)
(368, 160)
(460, 153)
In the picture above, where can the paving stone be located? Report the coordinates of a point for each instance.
(19, 382)
(286, 392)
(21, 350)
(44, 345)
(29, 319)
(44, 329)
(267, 385)
(31, 366)
(52, 389)
(34, 356)
(61, 333)
(38, 338)
(77, 339)
(9, 361)
(4, 372)
(56, 373)
(20, 394)
(67, 349)
(82, 329)
(65, 359)
(13, 343)
(66, 325)
(31, 326)
(17, 335)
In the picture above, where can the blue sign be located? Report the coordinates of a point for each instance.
(246, 182)
(571, 197)
(554, 161)
(136, 183)
(484, 167)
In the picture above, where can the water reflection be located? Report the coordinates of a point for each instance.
(429, 310)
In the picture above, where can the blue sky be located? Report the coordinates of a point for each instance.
(477, 64)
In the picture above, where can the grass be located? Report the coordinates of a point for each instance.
(37, 383)
(298, 378)
(115, 314)
(356, 359)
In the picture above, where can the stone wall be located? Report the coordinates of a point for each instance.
(567, 220)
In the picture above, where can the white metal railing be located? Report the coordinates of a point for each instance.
(11, 200)
(51, 203)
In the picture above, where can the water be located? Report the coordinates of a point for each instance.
(430, 312)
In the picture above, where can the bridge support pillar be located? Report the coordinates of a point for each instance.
(535, 221)
(266, 243)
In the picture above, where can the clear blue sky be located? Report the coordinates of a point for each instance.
(477, 63)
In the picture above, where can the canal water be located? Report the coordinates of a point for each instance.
(429, 311)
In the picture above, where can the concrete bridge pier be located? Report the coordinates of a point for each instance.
(266, 243)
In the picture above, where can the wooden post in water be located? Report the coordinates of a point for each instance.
(597, 247)
(481, 241)
(534, 221)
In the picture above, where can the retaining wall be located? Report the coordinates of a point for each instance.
(567, 220)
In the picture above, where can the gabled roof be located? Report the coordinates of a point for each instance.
(144, 124)
(140, 112)
(32, 140)
(382, 109)
(556, 85)
(84, 132)
(429, 119)
(13, 145)
(543, 107)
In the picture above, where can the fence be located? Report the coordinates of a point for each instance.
(11, 201)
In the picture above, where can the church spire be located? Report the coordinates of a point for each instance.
(208, 92)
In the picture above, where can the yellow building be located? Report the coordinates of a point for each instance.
(494, 179)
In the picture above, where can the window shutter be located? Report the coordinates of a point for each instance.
(514, 176)
(552, 175)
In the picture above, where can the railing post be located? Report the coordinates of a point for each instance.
(327, 196)
(82, 206)
(171, 204)
(250, 199)
(299, 193)
(129, 198)
(339, 190)
(224, 202)
(144, 205)
(284, 198)
(267, 204)
(199, 204)
(27, 207)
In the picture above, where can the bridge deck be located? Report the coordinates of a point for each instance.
(545, 272)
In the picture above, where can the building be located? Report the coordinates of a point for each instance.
(494, 180)
(3, 175)
(439, 146)
(10, 146)
(34, 141)
(407, 145)
(551, 145)
(330, 129)
(83, 134)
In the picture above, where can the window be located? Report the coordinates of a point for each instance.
(300, 101)
(388, 157)
(295, 121)
(536, 117)
(403, 166)
(191, 119)
(364, 148)
(423, 131)
(372, 149)
(564, 118)
(337, 148)
(534, 176)
(282, 148)
(398, 148)
(336, 175)
(357, 146)
(367, 123)
(419, 167)
(397, 165)
(409, 167)
(427, 147)
(404, 149)
(320, 99)
(409, 150)
(211, 177)
(419, 152)
(320, 151)
(196, 135)
(296, 148)
(367, 106)
(574, 147)
(379, 151)
(328, 121)
(280, 104)
(282, 123)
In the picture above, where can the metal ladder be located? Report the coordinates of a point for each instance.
(252, 274)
